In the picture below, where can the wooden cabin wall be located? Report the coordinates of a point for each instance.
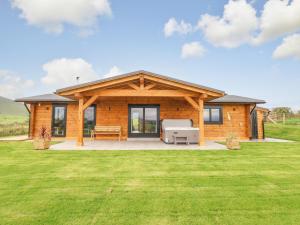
(260, 118)
(114, 111)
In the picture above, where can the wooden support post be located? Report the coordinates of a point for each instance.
(201, 121)
(142, 82)
(80, 122)
(32, 121)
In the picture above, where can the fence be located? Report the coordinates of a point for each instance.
(284, 118)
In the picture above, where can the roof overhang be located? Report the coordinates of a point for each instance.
(128, 77)
(235, 99)
(45, 98)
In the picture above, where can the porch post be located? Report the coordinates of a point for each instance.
(80, 122)
(201, 121)
(32, 120)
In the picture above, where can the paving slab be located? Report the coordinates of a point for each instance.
(14, 138)
(268, 140)
(134, 145)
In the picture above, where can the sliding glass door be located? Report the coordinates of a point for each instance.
(89, 120)
(59, 116)
(143, 121)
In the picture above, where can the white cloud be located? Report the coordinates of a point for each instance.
(12, 85)
(51, 15)
(290, 47)
(63, 72)
(113, 72)
(172, 26)
(193, 49)
(278, 18)
(234, 28)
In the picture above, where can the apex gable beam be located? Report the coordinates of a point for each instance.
(142, 82)
(150, 86)
(132, 85)
(192, 102)
(90, 101)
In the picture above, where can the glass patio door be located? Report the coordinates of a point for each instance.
(143, 121)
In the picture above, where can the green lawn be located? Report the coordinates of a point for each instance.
(260, 184)
(286, 131)
(10, 119)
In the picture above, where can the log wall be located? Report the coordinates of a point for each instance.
(114, 111)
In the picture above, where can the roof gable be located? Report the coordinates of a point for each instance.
(116, 80)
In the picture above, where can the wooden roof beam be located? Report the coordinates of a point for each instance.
(185, 87)
(96, 86)
(192, 102)
(90, 101)
(142, 93)
(150, 86)
(134, 86)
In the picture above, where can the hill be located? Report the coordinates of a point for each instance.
(9, 107)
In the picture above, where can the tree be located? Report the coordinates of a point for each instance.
(282, 110)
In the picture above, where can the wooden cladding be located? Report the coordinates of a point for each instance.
(113, 111)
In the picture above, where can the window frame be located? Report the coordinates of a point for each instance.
(210, 107)
(64, 121)
(95, 119)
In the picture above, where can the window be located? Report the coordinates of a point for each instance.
(213, 115)
(59, 116)
(89, 120)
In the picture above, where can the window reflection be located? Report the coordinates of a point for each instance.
(89, 120)
(59, 121)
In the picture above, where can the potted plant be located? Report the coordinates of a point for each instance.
(43, 141)
(232, 142)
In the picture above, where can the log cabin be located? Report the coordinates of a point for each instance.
(137, 102)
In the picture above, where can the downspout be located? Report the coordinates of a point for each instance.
(29, 118)
(253, 109)
(251, 119)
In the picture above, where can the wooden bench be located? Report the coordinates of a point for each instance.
(106, 130)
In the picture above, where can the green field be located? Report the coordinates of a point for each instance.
(259, 184)
(290, 130)
(11, 119)
(12, 125)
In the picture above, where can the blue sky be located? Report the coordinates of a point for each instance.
(130, 36)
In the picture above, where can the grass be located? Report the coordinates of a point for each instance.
(10, 119)
(260, 184)
(290, 131)
(11, 125)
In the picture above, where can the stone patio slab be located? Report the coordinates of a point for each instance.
(134, 145)
(269, 140)
(15, 138)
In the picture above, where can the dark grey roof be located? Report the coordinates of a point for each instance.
(135, 73)
(236, 99)
(45, 98)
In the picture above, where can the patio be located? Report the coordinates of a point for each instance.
(134, 145)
